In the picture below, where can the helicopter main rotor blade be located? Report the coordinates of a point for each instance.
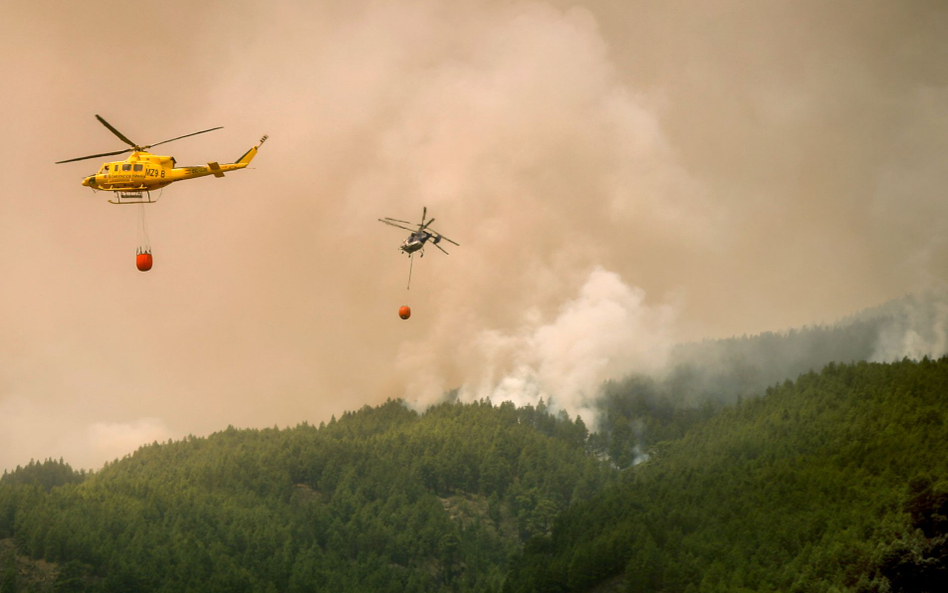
(92, 156)
(410, 230)
(441, 248)
(424, 226)
(116, 132)
(185, 136)
(443, 237)
(396, 220)
(424, 213)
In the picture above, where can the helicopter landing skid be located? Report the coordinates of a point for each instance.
(137, 197)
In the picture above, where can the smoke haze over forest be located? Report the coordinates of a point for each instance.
(621, 176)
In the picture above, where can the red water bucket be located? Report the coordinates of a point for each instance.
(404, 312)
(144, 261)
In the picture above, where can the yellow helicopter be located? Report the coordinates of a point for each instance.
(134, 178)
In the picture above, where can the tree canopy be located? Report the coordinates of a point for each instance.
(835, 482)
(384, 499)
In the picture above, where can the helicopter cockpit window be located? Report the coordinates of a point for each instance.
(105, 168)
(139, 167)
(126, 167)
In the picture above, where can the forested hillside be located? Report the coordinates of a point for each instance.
(382, 500)
(831, 480)
(639, 411)
(835, 482)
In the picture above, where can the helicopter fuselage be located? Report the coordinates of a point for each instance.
(143, 171)
(415, 242)
(419, 236)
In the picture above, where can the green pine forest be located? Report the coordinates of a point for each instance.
(757, 464)
(835, 482)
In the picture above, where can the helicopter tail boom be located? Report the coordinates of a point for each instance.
(213, 168)
(245, 159)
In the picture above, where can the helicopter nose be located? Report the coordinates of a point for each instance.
(89, 181)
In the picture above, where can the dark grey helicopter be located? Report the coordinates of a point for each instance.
(418, 237)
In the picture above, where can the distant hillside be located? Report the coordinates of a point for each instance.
(639, 411)
(382, 500)
(913, 326)
(835, 482)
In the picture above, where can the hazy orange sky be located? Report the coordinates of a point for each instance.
(620, 175)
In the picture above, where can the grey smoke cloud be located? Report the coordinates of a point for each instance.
(744, 168)
(916, 327)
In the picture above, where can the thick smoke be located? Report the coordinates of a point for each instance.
(609, 334)
(606, 332)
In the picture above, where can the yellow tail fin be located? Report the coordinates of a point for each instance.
(248, 156)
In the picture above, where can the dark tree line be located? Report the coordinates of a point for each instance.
(383, 499)
(835, 482)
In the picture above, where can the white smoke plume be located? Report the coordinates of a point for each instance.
(607, 332)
